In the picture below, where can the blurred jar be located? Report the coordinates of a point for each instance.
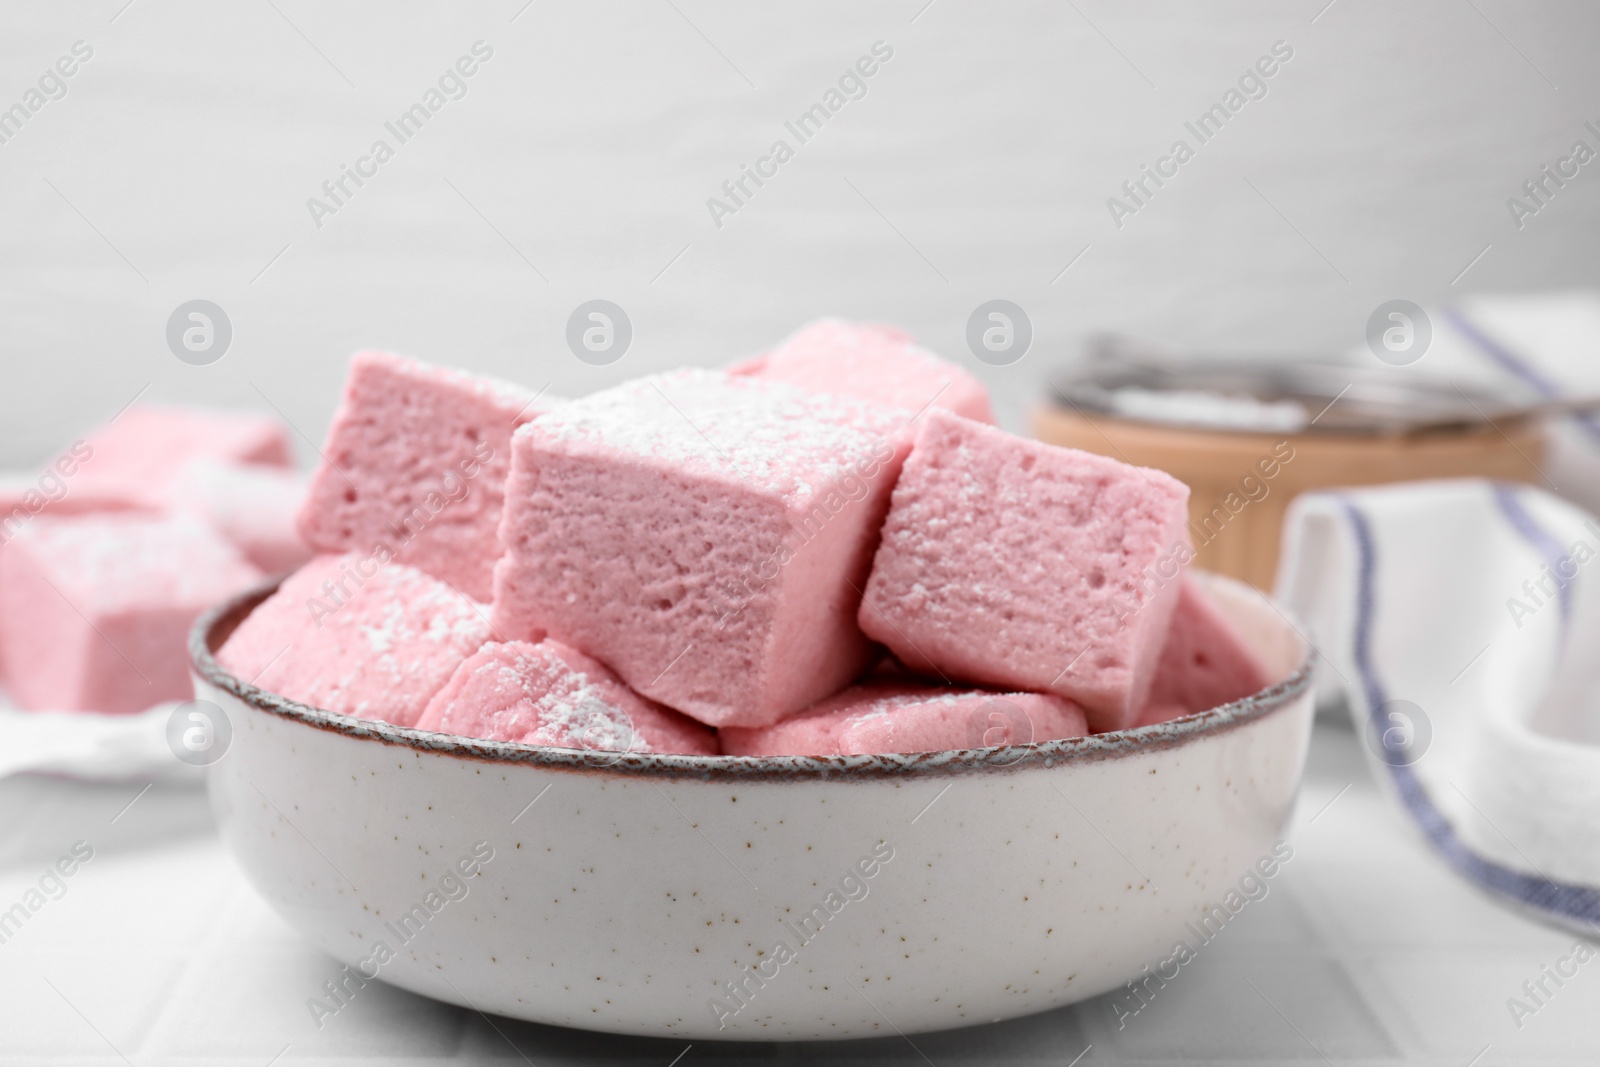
(1248, 437)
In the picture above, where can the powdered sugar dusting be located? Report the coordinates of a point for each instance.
(529, 694)
(349, 635)
(116, 562)
(769, 435)
(550, 694)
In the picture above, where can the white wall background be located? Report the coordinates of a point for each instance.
(179, 163)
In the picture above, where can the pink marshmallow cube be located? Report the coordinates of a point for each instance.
(871, 362)
(416, 461)
(1204, 663)
(357, 635)
(95, 611)
(24, 498)
(137, 457)
(899, 716)
(705, 536)
(251, 505)
(548, 694)
(1020, 565)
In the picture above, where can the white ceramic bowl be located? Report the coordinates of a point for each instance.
(624, 893)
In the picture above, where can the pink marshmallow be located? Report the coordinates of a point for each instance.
(24, 498)
(251, 505)
(1204, 664)
(137, 457)
(871, 362)
(1020, 565)
(705, 536)
(548, 694)
(416, 461)
(356, 635)
(910, 717)
(1153, 713)
(749, 367)
(95, 611)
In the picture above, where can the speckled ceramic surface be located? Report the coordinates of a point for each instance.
(724, 897)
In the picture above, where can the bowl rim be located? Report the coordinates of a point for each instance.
(213, 626)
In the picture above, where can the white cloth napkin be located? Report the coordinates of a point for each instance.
(1463, 620)
(1523, 348)
(89, 745)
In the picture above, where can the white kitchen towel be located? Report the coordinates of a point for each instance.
(1522, 348)
(1463, 619)
(92, 746)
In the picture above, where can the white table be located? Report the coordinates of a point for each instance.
(1365, 950)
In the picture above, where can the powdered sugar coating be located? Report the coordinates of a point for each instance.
(95, 610)
(1022, 565)
(772, 438)
(1205, 663)
(901, 716)
(358, 636)
(107, 563)
(548, 694)
(873, 362)
(705, 536)
(416, 461)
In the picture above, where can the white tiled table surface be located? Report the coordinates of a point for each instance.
(1365, 950)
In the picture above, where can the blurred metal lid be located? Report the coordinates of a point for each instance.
(1128, 379)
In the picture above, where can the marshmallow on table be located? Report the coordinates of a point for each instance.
(549, 694)
(1021, 565)
(871, 362)
(897, 716)
(358, 635)
(137, 457)
(251, 505)
(134, 462)
(416, 461)
(95, 611)
(1204, 663)
(705, 536)
(128, 466)
(23, 497)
